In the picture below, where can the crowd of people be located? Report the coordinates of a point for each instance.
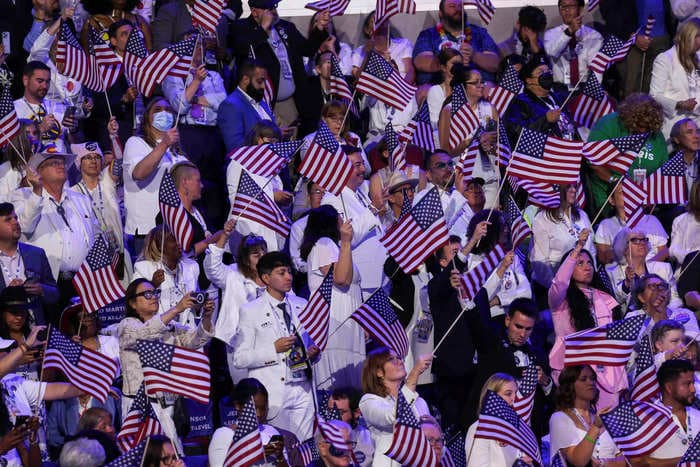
(87, 166)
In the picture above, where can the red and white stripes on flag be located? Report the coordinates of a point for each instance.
(175, 216)
(207, 13)
(525, 397)
(418, 234)
(607, 345)
(464, 120)
(96, 282)
(168, 368)
(378, 319)
(86, 369)
(507, 88)
(325, 163)
(485, 8)
(612, 51)
(9, 123)
(246, 447)
(541, 158)
(409, 446)
(592, 104)
(316, 315)
(418, 130)
(667, 184)
(639, 428)
(106, 62)
(337, 85)
(141, 421)
(645, 386)
(380, 80)
(385, 9)
(335, 7)
(616, 154)
(252, 203)
(269, 92)
(143, 69)
(634, 197)
(265, 160)
(474, 279)
(77, 64)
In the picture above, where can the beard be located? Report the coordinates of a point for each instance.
(256, 94)
(455, 22)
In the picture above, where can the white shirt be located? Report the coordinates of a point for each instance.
(222, 438)
(25, 110)
(212, 89)
(141, 196)
(649, 224)
(674, 446)
(10, 179)
(564, 433)
(685, 236)
(435, 99)
(296, 235)
(12, 266)
(398, 50)
(483, 452)
(380, 114)
(262, 113)
(556, 43)
(24, 397)
(514, 284)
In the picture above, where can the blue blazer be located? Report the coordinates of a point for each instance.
(35, 261)
(236, 117)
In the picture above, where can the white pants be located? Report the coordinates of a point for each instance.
(296, 414)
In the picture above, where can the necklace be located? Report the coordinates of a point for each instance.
(446, 42)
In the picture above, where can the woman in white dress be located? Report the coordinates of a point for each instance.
(685, 232)
(487, 451)
(576, 430)
(383, 376)
(327, 243)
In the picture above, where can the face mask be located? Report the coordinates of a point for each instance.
(256, 94)
(545, 80)
(163, 120)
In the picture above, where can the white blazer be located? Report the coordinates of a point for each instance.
(41, 225)
(254, 347)
(669, 84)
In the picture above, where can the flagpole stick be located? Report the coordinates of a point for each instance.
(585, 75)
(687, 265)
(162, 245)
(145, 450)
(179, 107)
(641, 73)
(16, 150)
(347, 110)
(454, 323)
(602, 208)
(46, 344)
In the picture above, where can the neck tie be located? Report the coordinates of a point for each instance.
(573, 62)
(287, 318)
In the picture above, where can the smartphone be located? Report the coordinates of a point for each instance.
(70, 111)
(21, 420)
(41, 335)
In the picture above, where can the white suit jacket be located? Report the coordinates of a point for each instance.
(254, 348)
(41, 224)
(669, 84)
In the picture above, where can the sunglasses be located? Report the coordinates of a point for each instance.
(149, 294)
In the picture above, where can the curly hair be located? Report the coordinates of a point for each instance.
(323, 222)
(640, 113)
(104, 7)
(566, 392)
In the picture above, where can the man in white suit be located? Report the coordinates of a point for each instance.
(273, 346)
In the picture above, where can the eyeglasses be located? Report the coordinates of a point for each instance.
(94, 157)
(169, 460)
(658, 286)
(335, 452)
(638, 240)
(54, 163)
(444, 165)
(395, 359)
(438, 441)
(149, 294)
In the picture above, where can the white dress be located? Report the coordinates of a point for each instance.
(341, 362)
(10, 179)
(564, 433)
(487, 451)
(221, 440)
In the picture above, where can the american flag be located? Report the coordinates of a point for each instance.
(86, 369)
(592, 104)
(417, 235)
(691, 458)
(541, 195)
(607, 345)
(379, 80)
(316, 315)
(168, 368)
(207, 13)
(141, 421)
(541, 158)
(9, 123)
(467, 161)
(183, 50)
(144, 70)
(474, 279)
(308, 451)
(252, 203)
(174, 213)
(558, 460)
(649, 25)
(616, 154)
(405, 206)
(499, 422)
(76, 63)
(645, 387)
(385, 9)
(265, 160)
(503, 145)
(334, 7)
(455, 447)
(325, 163)
(485, 8)
(592, 5)
(332, 434)
(667, 184)
(409, 446)
(639, 428)
(269, 92)
(419, 131)
(612, 51)
(519, 229)
(378, 319)
(464, 120)
(507, 88)
(132, 457)
(605, 279)
(106, 62)
(525, 397)
(96, 282)
(397, 149)
(338, 86)
(246, 447)
(634, 197)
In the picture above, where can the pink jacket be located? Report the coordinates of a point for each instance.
(610, 379)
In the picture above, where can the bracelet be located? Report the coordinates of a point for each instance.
(589, 439)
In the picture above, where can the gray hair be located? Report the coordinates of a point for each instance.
(621, 241)
(82, 452)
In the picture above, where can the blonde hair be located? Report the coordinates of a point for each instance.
(153, 241)
(495, 383)
(685, 44)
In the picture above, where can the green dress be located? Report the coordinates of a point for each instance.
(652, 155)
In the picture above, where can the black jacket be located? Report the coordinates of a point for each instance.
(620, 18)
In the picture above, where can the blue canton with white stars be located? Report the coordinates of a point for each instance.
(135, 45)
(528, 383)
(693, 452)
(6, 104)
(325, 138)
(184, 48)
(155, 354)
(404, 414)
(248, 187)
(326, 288)
(626, 329)
(378, 66)
(379, 302)
(423, 115)
(70, 350)
(531, 143)
(285, 149)
(495, 406)
(392, 141)
(168, 194)
(674, 167)
(593, 89)
(130, 458)
(644, 356)
(611, 46)
(459, 98)
(247, 421)
(622, 421)
(510, 80)
(68, 36)
(428, 210)
(99, 256)
(631, 143)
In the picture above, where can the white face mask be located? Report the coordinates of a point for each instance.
(163, 120)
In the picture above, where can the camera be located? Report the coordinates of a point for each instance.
(199, 298)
